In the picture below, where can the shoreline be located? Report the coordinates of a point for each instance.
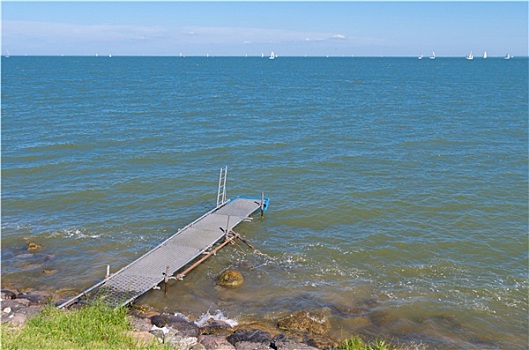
(306, 330)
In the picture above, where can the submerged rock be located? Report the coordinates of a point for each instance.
(302, 320)
(34, 247)
(230, 278)
(48, 271)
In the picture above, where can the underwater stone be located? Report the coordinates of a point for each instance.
(230, 278)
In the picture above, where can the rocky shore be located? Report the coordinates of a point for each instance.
(303, 329)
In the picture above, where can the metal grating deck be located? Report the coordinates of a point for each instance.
(176, 252)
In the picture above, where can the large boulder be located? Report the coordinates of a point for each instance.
(230, 279)
(308, 321)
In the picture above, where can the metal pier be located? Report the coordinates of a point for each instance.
(176, 252)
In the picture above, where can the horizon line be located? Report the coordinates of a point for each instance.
(257, 56)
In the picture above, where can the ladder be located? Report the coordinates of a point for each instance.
(221, 194)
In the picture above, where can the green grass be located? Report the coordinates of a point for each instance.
(92, 327)
(356, 343)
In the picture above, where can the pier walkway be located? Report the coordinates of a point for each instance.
(178, 251)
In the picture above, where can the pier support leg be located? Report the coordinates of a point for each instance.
(166, 279)
(261, 207)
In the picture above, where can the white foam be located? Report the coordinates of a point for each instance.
(164, 329)
(217, 316)
(74, 233)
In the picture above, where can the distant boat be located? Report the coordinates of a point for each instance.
(262, 54)
(470, 56)
(484, 54)
(420, 57)
(272, 55)
(507, 57)
(432, 57)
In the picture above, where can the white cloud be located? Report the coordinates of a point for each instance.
(338, 36)
(63, 31)
(58, 37)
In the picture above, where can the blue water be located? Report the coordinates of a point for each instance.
(398, 187)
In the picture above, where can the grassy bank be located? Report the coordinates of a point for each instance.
(92, 327)
(98, 327)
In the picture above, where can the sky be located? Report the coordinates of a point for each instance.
(253, 28)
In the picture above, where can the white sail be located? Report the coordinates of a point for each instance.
(272, 55)
(470, 56)
(485, 54)
(432, 57)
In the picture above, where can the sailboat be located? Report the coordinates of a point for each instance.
(507, 57)
(470, 56)
(272, 55)
(432, 57)
(420, 57)
(484, 54)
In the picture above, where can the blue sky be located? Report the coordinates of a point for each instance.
(343, 28)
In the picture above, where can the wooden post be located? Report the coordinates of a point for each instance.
(262, 204)
(227, 231)
(166, 279)
(108, 272)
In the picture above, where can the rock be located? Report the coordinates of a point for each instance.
(184, 328)
(18, 319)
(17, 311)
(179, 323)
(289, 342)
(140, 324)
(381, 318)
(143, 338)
(292, 346)
(49, 271)
(214, 342)
(283, 338)
(322, 342)
(34, 247)
(250, 335)
(217, 327)
(230, 279)
(181, 343)
(158, 333)
(37, 298)
(159, 320)
(6, 294)
(246, 345)
(359, 322)
(24, 302)
(303, 320)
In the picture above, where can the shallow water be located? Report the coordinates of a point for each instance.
(398, 187)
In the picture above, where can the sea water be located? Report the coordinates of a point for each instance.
(398, 187)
